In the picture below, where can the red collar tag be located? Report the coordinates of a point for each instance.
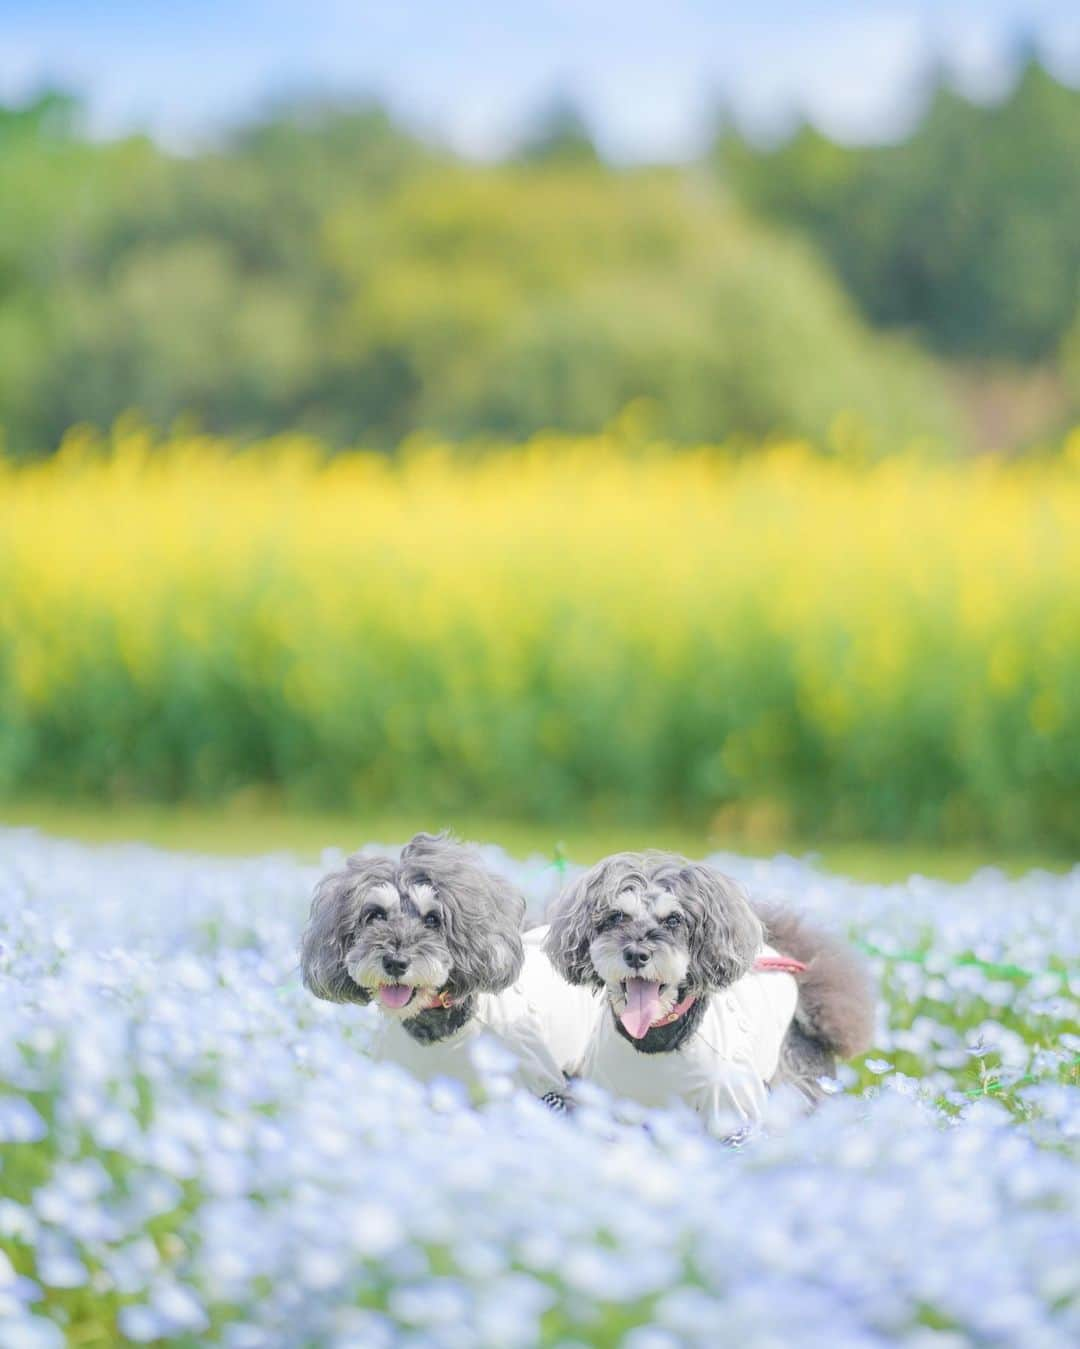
(680, 1010)
(442, 999)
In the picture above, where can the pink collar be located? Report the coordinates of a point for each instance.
(763, 965)
(778, 965)
(679, 1010)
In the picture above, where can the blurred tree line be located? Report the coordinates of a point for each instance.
(968, 231)
(323, 270)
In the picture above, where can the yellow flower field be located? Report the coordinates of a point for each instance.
(887, 649)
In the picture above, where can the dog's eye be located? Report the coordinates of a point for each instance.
(611, 920)
(673, 920)
(372, 916)
(432, 920)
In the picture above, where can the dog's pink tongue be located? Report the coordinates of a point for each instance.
(395, 995)
(642, 1006)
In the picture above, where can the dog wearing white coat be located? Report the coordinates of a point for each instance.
(708, 1001)
(433, 939)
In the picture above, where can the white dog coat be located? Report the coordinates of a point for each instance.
(722, 1070)
(543, 1022)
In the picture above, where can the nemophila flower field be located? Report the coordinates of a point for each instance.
(193, 1151)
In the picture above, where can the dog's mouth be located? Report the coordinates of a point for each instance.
(395, 996)
(645, 1004)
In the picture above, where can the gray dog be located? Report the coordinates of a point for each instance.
(434, 940)
(711, 1001)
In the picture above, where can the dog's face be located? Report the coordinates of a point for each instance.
(425, 931)
(400, 953)
(652, 930)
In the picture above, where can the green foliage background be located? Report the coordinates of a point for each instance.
(323, 270)
(967, 230)
(323, 273)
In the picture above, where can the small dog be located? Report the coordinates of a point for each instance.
(710, 1002)
(434, 939)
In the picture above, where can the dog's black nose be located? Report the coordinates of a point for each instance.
(394, 966)
(635, 956)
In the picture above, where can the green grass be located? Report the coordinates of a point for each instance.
(241, 831)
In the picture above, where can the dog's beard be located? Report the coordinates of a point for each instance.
(404, 995)
(639, 998)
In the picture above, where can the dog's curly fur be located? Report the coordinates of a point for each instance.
(834, 1016)
(836, 1004)
(472, 946)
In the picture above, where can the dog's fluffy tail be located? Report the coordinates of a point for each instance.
(836, 1001)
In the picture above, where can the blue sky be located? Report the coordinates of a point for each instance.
(472, 71)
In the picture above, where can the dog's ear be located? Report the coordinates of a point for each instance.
(492, 959)
(330, 932)
(571, 929)
(483, 915)
(725, 934)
